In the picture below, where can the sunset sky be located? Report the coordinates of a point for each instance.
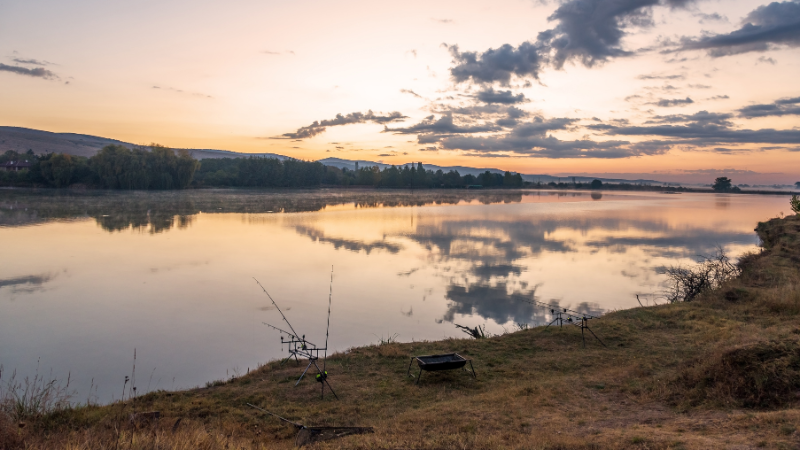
(665, 89)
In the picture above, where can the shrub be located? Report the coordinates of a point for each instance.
(688, 283)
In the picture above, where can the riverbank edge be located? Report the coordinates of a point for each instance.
(670, 377)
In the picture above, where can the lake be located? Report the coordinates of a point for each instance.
(87, 277)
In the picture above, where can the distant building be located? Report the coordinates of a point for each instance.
(13, 166)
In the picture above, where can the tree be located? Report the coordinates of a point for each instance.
(795, 204)
(722, 184)
(597, 184)
(57, 169)
(797, 185)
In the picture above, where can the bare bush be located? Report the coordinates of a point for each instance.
(478, 332)
(686, 283)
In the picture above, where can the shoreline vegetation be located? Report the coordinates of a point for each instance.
(160, 168)
(719, 371)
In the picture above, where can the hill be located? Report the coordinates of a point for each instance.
(40, 142)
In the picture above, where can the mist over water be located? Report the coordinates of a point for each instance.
(88, 277)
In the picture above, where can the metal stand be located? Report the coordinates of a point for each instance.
(300, 347)
(585, 326)
(556, 318)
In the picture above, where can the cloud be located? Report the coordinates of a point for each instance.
(319, 127)
(409, 91)
(587, 31)
(34, 62)
(495, 65)
(445, 21)
(702, 117)
(180, 91)
(668, 102)
(702, 129)
(764, 59)
(444, 125)
(713, 17)
(782, 107)
(591, 31)
(37, 72)
(766, 27)
(548, 146)
(504, 97)
(719, 97)
(660, 77)
(531, 139)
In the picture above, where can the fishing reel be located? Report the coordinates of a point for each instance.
(322, 376)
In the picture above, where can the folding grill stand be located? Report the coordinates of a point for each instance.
(456, 362)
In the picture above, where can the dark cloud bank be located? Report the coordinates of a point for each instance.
(766, 27)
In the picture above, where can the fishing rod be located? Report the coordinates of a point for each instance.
(565, 311)
(581, 319)
(290, 334)
(296, 425)
(277, 307)
(330, 294)
(300, 347)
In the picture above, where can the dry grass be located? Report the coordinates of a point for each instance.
(720, 372)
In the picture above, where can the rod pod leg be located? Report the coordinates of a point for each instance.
(304, 372)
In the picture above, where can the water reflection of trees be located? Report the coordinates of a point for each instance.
(161, 211)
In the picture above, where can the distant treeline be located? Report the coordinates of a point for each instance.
(114, 167)
(157, 167)
(271, 172)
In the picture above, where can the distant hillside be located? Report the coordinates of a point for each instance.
(40, 142)
(23, 139)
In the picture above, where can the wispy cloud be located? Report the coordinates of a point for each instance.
(409, 91)
(34, 62)
(37, 72)
(669, 102)
(318, 127)
(271, 52)
(181, 91)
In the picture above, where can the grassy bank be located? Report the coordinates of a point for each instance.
(722, 371)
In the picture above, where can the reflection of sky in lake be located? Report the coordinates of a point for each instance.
(89, 282)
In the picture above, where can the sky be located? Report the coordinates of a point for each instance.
(665, 89)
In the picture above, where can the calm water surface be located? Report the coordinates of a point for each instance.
(86, 278)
